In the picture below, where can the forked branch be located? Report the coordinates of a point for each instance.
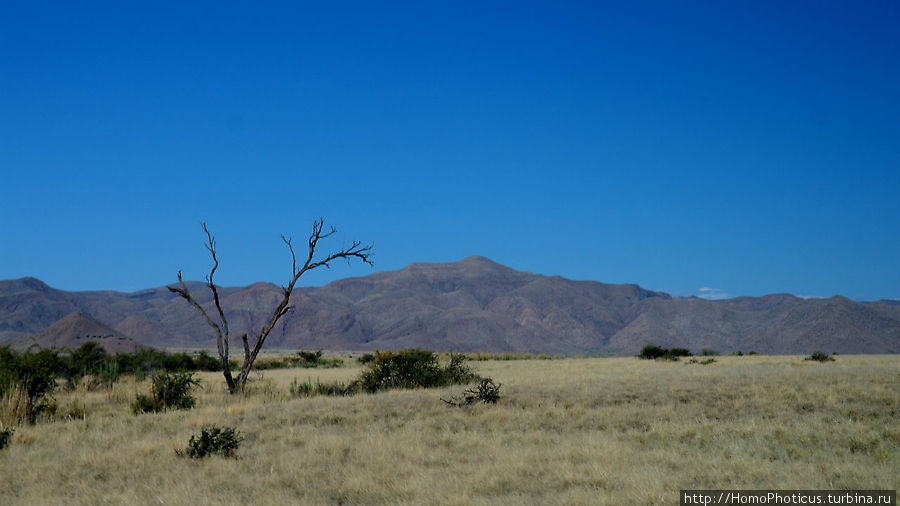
(356, 250)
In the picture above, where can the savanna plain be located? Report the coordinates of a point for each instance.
(565, 431)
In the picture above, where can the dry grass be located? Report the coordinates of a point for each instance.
(585, 431)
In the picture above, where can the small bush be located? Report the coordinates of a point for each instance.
(818, 356)
(222, 441)
(5, 435)
(709, 352)
(169, 391)
(412, 369)
(366, 358)
(311, 357)
(702, 362)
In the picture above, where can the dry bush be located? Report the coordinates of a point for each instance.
(13, 406)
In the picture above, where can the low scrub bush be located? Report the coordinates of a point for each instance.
(412, 369)
(818, 356)
(169, 391)
(653, 352)
(212, 440)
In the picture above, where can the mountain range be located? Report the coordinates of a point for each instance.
(471, 305)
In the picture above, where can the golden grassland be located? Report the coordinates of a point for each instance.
(568, 431)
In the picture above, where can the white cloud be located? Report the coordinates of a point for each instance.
(708, 293)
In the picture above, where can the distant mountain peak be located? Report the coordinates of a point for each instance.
(75, 329)
(472, 262)
(28, 283)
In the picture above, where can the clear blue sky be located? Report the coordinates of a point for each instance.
(742, 148)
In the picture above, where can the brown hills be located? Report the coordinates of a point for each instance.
(472, 305)
(76, 329)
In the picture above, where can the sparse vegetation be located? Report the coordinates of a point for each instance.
(303, 359)
(310, 389)
(589, 431)
(509, 356)
(213, 440)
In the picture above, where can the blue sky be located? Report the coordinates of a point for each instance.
(709, 148)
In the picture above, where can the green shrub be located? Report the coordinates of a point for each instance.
(5, 435)
(311, 357)
(366, 358)
(818, 356)
(412, 369)
(709, 352)
(33, 374)
(652, 351)
(84, 360)
(222, 441)
(169, 391)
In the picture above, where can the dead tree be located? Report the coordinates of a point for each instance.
(355, 250)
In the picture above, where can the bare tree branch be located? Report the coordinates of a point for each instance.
(222, 337)
(356, 250)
